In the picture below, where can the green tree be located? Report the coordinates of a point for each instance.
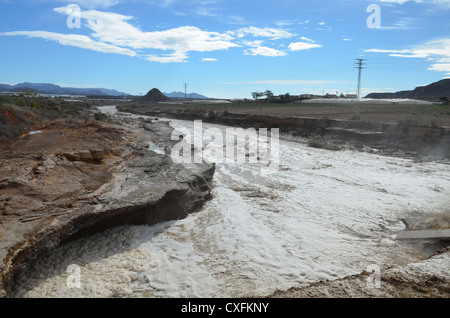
(269, 95)
(286, 98)
(257, 95)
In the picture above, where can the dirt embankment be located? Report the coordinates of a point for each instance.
(403, 138)
(69, 180)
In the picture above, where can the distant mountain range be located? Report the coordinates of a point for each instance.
(182, 95)
(433, 91)
(44, 88)
(52, 89)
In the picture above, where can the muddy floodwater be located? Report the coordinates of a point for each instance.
(322, 215)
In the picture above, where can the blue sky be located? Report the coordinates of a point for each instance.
(225, 48)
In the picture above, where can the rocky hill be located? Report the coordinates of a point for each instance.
(155, 95)
(433, 91)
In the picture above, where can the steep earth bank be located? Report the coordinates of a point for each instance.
(405, 139)
(67, 181)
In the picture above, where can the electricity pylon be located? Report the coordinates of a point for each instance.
(360, 64)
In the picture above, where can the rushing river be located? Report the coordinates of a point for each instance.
(322, 215)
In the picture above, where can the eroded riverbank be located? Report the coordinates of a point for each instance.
(400, 138)
(324, 215)
(72, 181)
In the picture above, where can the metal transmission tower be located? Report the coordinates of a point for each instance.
(360, 64)
(185, 90)
(360, 67)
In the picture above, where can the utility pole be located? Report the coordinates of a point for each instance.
(360, 67)
(360, 64)
(185, 90)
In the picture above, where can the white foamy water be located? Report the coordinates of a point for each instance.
(323, 215)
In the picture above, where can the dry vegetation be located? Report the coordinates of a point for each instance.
(19, 114)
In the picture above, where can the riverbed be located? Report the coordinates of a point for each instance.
(321, 215)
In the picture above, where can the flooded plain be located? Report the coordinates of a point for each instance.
(322, 215)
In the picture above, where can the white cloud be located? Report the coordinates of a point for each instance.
(253, 43)
(272, 33)
(284, 23)
(437, 51)
(265, 51)
(304, 38)
(80, 41)
(443, 4)
(115, 33)
(115, 29)
(386, 51)
(93, 4)
(208, 59)
(177, 57)
(441, 67)
(404, 23)
(299, 46)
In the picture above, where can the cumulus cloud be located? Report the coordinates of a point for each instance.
(271, 33)
(300, 46)
(114, 33)
(265, 51)
(115, 29)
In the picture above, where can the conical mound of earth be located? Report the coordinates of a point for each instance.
(155, 95)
